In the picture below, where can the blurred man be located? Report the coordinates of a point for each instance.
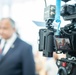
(17, 57)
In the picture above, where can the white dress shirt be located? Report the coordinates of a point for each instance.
(9, 43)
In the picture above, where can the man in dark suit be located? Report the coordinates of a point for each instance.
(17, 57)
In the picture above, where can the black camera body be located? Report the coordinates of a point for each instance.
(66, 40)
(46, 38)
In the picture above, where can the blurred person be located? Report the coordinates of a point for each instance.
(40, 62)
(50, 66)
(17, 57)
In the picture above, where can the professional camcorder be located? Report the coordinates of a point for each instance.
(65, 42)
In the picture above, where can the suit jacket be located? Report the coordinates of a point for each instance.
(18, 60)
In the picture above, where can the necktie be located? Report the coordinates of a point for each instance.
(4, 46)
(1, 50)
(0, 47)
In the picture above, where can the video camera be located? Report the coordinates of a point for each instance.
(66, 40)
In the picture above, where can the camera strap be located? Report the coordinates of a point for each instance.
(57, 20)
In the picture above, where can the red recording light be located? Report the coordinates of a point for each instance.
(64, 64)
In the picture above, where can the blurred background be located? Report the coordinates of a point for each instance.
(24, 12)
